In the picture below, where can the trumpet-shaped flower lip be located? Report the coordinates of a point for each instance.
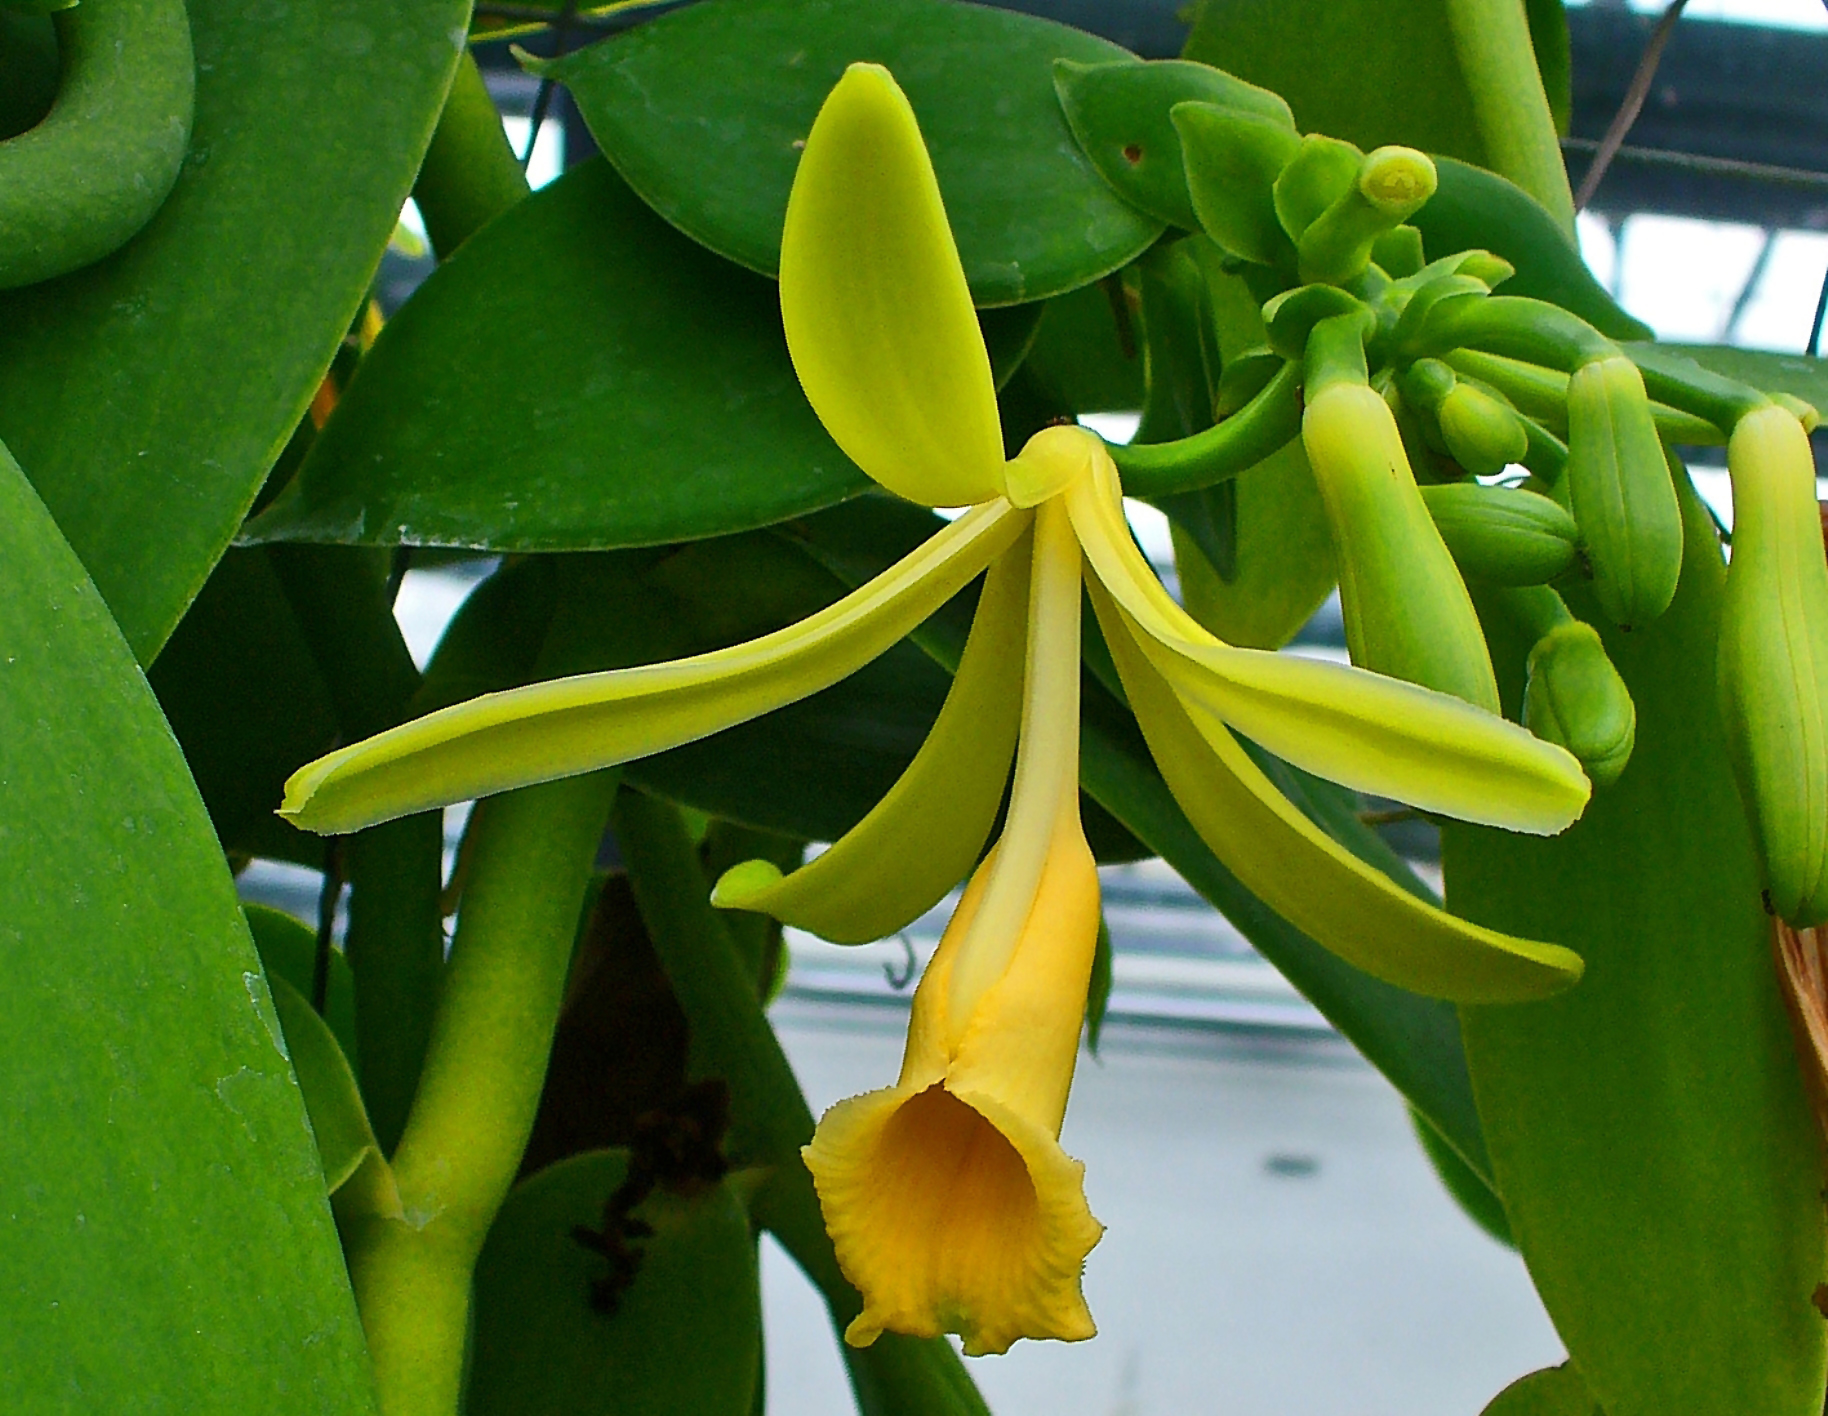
(565, 726)
(1367, 731)
(924, 836)
(950, 1203)
(878, 317)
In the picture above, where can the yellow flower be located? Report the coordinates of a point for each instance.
(950, 1202)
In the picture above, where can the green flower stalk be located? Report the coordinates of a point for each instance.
(950, 1201)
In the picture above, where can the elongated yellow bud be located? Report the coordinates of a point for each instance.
(1406, 609)
(1620, 491)
(1773, 663)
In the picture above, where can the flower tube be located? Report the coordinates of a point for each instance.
(950, 1203)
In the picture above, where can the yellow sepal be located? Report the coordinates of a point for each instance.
(1367, 731)
(1304, 875)
(878, 317)
(566, 726)
(924, 836)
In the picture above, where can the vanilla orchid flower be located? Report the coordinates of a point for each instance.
(951, 1204)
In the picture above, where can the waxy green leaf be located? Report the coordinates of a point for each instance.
(637, 391)
(684, 1338)
(1473, 209)
(1799, 375)
(704, 110)
(1120, 115)
(1554, 1391)
(288, 950)
(167, 1242)
(147, 396)
(248, 703)
(1649, 1131)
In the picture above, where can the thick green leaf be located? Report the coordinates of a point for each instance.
(148, 395)
(685, 1337)
(28, 70)
(1473, 209)
(1796, 374)
(1475, 1196)
(1648, 1129)
(1120, 115)
(288, 950)
(249, 706)
(1082, 359)
(703, 111)
(637, 390)
(1548, 20)
(1283, 563)
(1554, 1391)
(339, 1122)
(167, 1246)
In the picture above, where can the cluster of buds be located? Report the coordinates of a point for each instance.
(1417, 387)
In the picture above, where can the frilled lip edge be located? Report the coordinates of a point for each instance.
(951, 1213)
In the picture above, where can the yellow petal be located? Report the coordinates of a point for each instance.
(1370, 732)
(571, 725)
(1306, 876)
(950, 1203)
(924, 836)
(879, 320)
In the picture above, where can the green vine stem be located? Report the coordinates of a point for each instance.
(395, 943)
(469, 176)
(480, 1087)
(732, 1039)
(1492, 41)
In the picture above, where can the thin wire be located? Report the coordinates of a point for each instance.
(1629, 109)
(1814, 346)
(1770, 172)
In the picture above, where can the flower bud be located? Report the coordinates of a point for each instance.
(1621, 493)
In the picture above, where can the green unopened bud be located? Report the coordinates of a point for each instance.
(1232, 162)
(1321, 172)
(1399, 251)
(1484, 435)
(1405, 607)
(1620, 490)
(1489, 270)
(1575, 697)
(1392, 185)
(1501, 535)
(1773, 660)
(1426, 384)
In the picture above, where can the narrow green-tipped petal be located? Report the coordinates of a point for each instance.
(572, 725)
(879, 320)
(1307, 877)
(926, 834)
(1372, 733)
